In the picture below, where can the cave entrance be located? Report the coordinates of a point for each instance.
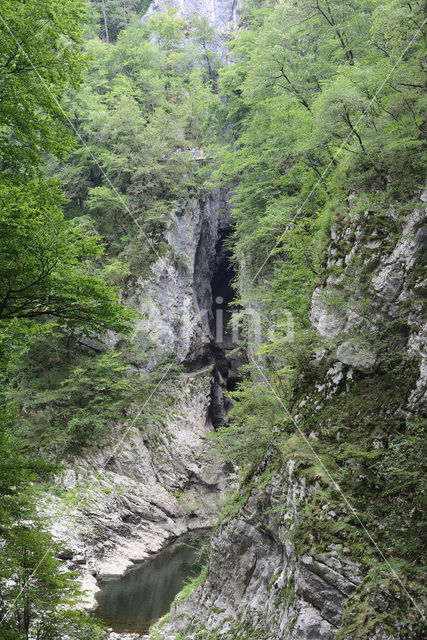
(223, 296)
(224, 349)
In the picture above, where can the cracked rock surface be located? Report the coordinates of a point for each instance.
(149, 490)
(258, 586)
(256, 576)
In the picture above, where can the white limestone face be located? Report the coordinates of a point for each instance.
(222, 14)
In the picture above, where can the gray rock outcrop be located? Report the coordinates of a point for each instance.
(257, 582)
(258, 585)
(121, 502)
(223, 15)
(352, 319)
(176, 302)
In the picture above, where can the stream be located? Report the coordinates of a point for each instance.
(135, 601)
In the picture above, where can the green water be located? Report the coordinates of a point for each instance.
(135, 601)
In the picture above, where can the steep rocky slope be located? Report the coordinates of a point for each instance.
(282, 565)
(176, 302)
(121, 502)
(279, 566)
(270, 591)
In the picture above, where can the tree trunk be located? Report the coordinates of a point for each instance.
(105, 22)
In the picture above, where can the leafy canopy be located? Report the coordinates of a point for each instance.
(43, 271)
(40, 58)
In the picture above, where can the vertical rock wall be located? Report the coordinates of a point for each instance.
(222, 14)
(258, 586)
(122, 501)
(176, 302)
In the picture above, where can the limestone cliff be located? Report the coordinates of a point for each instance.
(258, 586)
(176, 301)
(120, 502)
(276, 573)
(222, 14)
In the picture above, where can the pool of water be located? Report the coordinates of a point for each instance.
(135, 601)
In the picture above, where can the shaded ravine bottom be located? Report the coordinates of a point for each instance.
(135, 601)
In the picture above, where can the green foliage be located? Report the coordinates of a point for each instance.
(371, 460)
(17, 474)
(35, 588)
(191, 585)
(31, 580)
(40, 58)
(361, 441)
(47, 281)
(325, 100)
(364, 610)
(142, 110)
(321, 100)
(70, 396)
(318, 105)
(255, 420)
(37, 595)
(109, 17)
(78, 625)
(43, 272)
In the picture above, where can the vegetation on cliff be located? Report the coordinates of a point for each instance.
(90, 173)
(319, 102)
(325, 114)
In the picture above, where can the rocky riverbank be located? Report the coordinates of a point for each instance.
(153, 489)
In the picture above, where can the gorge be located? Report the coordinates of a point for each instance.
(214, 402)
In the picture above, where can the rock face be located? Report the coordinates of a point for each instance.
(258, 587)
(222, 14)
(156, 487)
(151, 488)
(390, 297)
(176, 302)
(121, 502)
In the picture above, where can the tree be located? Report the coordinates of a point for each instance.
(112, 16)
(323, 108)
(40, 58)
(203, 34)
(45, 280)
(146, 101)
(34, 588)
(43, 273)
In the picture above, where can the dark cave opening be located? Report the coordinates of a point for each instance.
(223, 296)
(224, 349)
